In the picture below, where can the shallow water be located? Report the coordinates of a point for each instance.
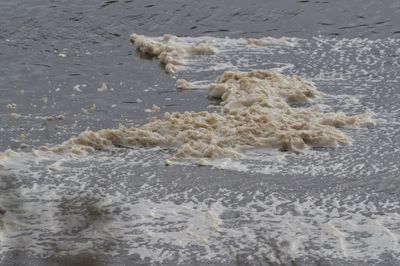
(327, 206)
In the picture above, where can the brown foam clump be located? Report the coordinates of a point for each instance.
(256, 113)
(11, 106)
(190, 133)
(258, 105)
(169, 50)
(183, 84)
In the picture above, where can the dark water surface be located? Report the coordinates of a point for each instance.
(124, 207)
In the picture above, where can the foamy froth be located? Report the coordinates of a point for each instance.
(256, 113)
(298, 180)
(162, 223)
